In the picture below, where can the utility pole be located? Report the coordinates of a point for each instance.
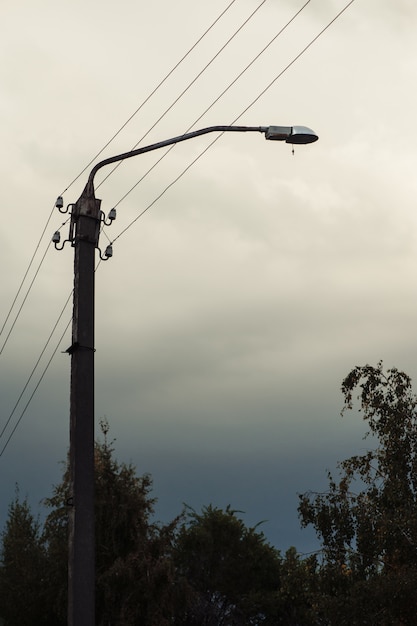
(86, 219)
(81, 564)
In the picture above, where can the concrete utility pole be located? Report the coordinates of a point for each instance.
(86, 218)
(81, 564)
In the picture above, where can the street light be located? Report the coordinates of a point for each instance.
(86, 219)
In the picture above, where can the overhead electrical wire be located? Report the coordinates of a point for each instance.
(33, 371)
(37, 247)
(295, 59)
(173, 182)
(130, 118)
(245, 22)
(16, 317)
(34, 390)
(26, 273)
(152, 93)
(190, 84)
(270, 84)
(216, 139)
(5, 425)
(230, 85)
(115, 135)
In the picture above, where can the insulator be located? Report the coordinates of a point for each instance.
(109, 251)
(59, 202)
(112, 215)
(56, 237)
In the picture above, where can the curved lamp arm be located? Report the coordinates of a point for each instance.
(289, 134)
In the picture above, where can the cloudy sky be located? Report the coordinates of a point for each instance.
(234, 307)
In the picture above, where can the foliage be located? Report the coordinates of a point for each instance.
(367, 520)
(295, 605)
(131, 551)
(201, 569)
(231, 571)
(22, 568)
(210, 569)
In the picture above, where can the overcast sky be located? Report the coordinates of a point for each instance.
(234, 307)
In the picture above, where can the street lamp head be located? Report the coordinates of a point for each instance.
(291, 134)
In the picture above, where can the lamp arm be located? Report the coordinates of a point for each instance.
(169, 142)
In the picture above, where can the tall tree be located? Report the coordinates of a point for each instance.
(295, 604)
(202, 569)
(367, 520)
(231, 571)
(22, 568)
(133, 566)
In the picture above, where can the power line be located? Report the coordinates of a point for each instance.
(300, 54)
(35, 390)
(157, 198)
(281, 73)
(35, 366)
(22, 303)
(215, 101)
(153, 92)
(72, 182)
(33, 371)
(26, 273)
(158, 86)
(26, 295)
(244, 23)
